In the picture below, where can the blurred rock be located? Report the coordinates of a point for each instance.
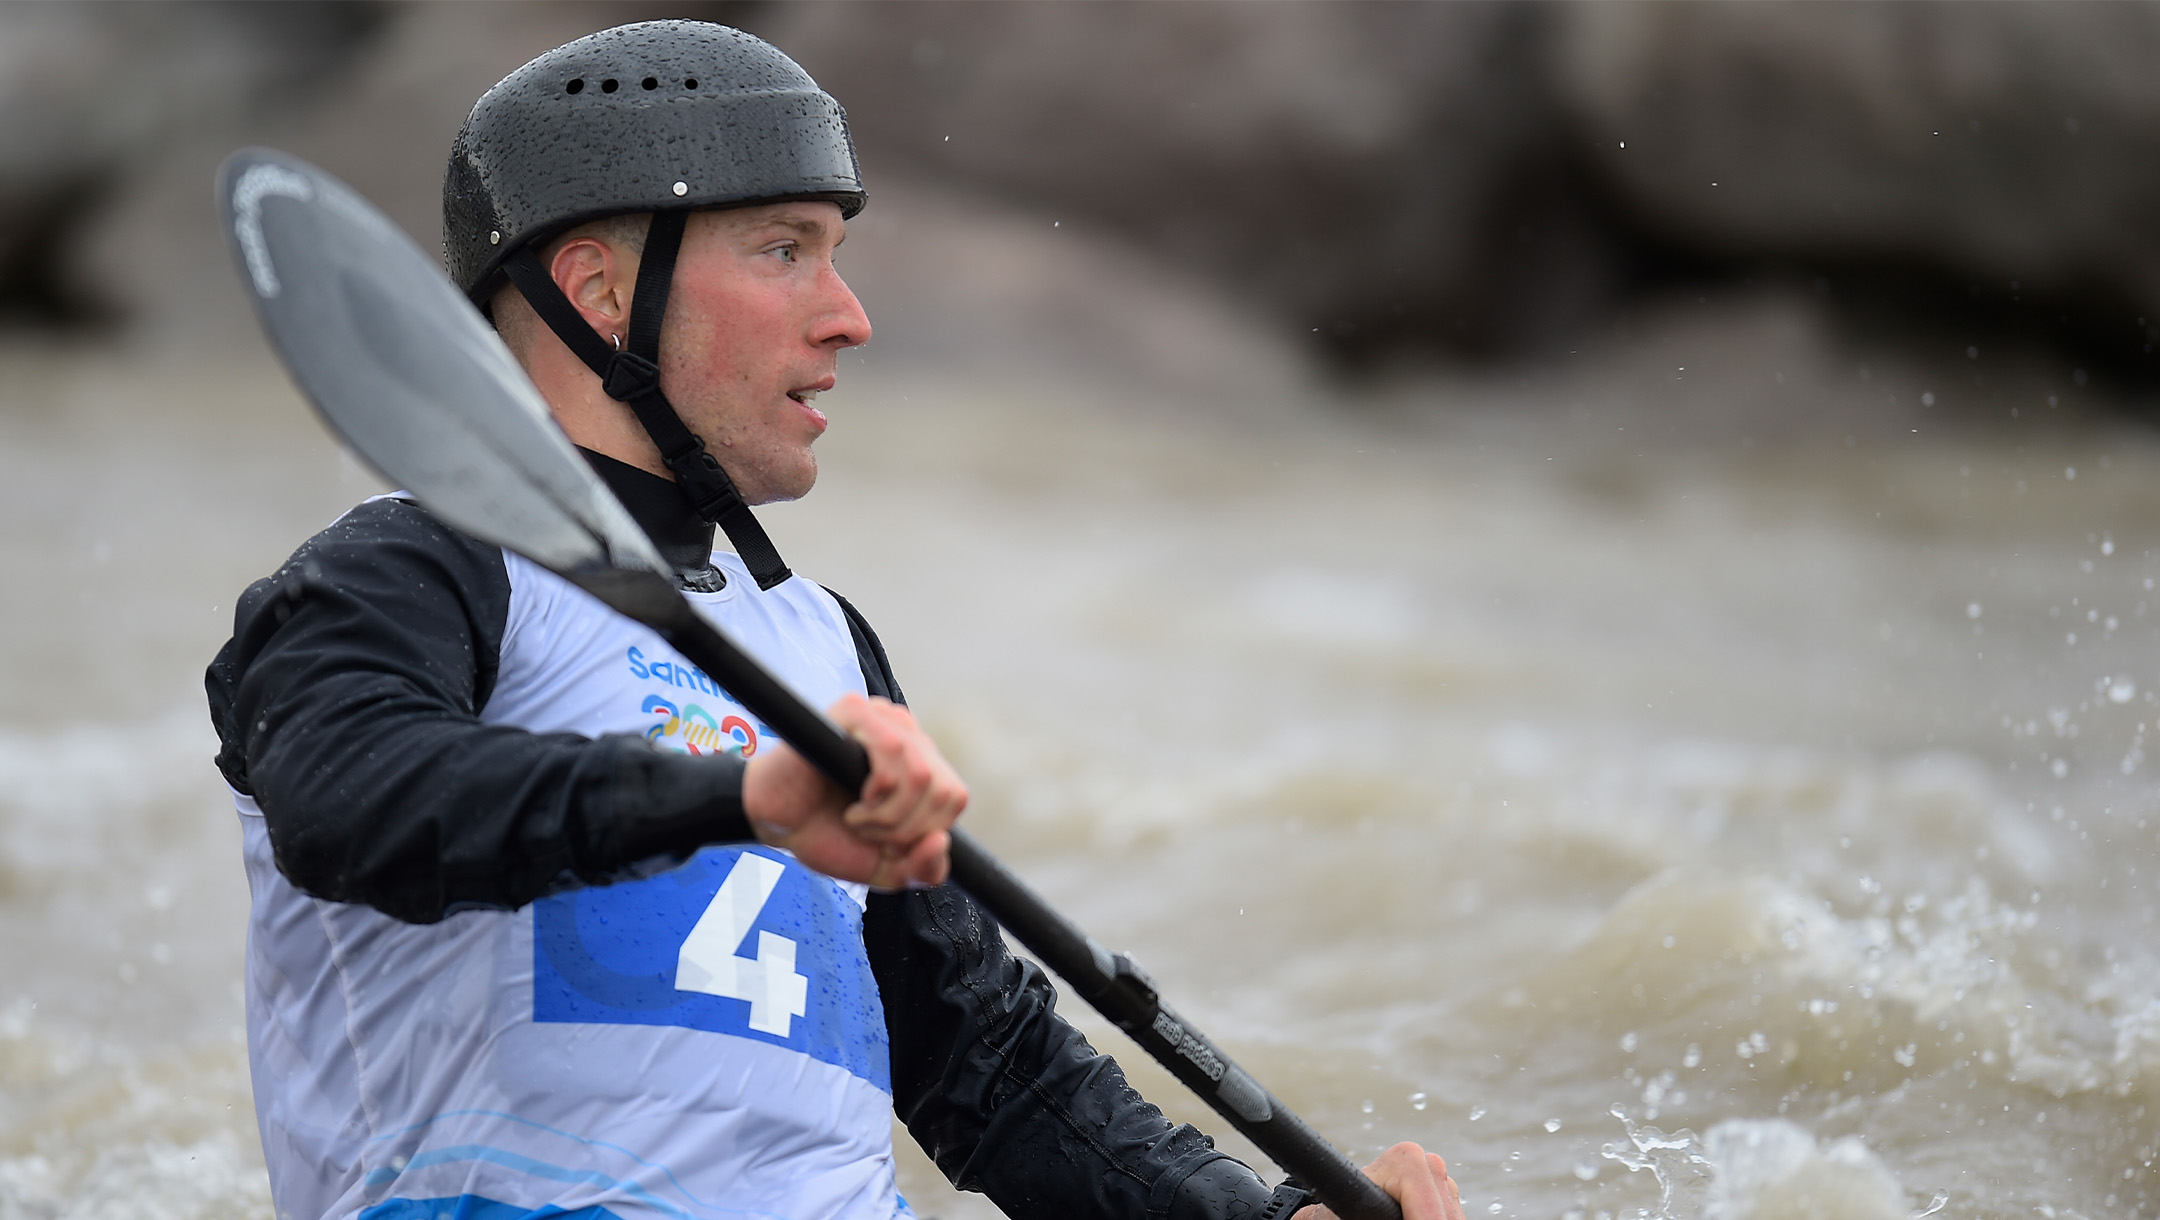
(95, 88)
(1451, 176)
(384, 126)
(2010, 149)
(953, 282)
(1379, 173)
(1368, 179)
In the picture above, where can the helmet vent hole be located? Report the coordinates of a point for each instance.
(650, 84)
(576, 85)
(690, 83)
(609, 85)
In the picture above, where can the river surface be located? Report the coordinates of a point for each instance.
(1731, 826)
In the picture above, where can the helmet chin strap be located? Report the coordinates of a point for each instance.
(632, 376)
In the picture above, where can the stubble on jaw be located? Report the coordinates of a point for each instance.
(754, 342)
(755, 485)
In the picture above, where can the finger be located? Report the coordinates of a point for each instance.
(863, 717)
(890, 872)
(866, 721)
(1450, 1193)
(924, 794)
(782, 791)
(1448, 1197)
(931, 860)
(1416, 1179)
(913, 814)
(905, 771)
(926, 863)
(903, 761)
(849, 709)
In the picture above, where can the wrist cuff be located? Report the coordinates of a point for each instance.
(1208, 1185)
(670, 805)
(1285, 1202)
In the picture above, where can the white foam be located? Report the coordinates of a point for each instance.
(65, 792)
(1771, 1169)
(1758, 1169)
(213, 1178)
(103, 1132)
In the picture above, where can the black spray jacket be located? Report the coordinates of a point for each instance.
(348, 706)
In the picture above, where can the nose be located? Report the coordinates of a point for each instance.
(842, 322)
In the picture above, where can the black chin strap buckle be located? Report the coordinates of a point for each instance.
(707, 485)
(629, 376)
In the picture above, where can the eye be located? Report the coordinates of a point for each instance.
(785, 251)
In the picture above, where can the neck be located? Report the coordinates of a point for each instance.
(684, 539)
(593, 421)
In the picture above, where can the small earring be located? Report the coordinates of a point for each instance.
(616, 340)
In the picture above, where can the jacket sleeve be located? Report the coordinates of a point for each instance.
(1007, 1098)
(347, 705)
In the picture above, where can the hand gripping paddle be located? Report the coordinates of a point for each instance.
(409, 374)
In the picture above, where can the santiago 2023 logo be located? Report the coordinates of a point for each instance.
(687, 726)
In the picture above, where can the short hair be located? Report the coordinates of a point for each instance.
(625, 230)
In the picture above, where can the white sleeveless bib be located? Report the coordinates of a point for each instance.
(708, 1042)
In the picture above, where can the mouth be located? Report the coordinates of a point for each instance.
(806, 398)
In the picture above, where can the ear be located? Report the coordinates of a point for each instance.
(598, 278)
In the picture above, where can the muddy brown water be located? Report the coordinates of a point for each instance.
(1729, 830)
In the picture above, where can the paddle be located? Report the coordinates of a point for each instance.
(409, 374)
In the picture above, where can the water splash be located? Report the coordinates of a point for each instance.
(1772, 1169)
(1674, 1159)
(1759, 1169)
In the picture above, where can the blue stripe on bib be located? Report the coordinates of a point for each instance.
(474, 1207)
(737, 941)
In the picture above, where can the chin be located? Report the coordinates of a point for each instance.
(806, 477)
(783, 486)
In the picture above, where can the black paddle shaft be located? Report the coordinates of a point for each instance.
(1113, 984)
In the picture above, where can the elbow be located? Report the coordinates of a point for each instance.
(332, 851)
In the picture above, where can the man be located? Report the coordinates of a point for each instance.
(507, 958)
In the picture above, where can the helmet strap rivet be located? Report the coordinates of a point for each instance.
(494, 237)
(682, 188)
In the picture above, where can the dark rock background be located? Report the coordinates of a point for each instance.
(1452, 177)
(1382, 184)
(92, 91)
(1976, 171)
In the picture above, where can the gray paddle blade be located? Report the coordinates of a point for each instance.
(409, 374)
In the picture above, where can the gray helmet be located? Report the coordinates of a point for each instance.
(662, 117)
(639, 118)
